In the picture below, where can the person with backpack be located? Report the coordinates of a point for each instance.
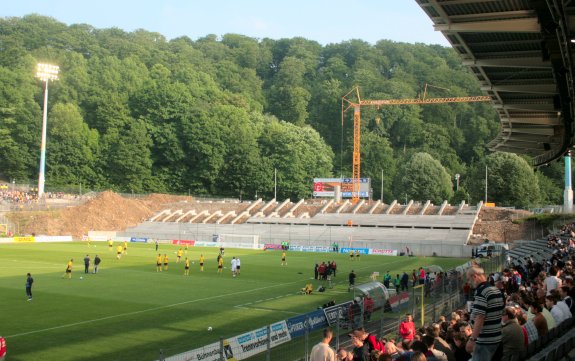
(372, 341)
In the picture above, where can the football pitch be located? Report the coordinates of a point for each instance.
(128, 311)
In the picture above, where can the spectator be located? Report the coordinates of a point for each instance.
(553, 281)
(369, 338)
(360, 349)
(322, 351)
(565, 298)
(539, 320)
(355, 314)
(439, 343)
(343, 355)
(390, 348)
(560, 312)
(459, 342)
(511, 336)
(429, 341)
(2, 348)
(368, 306)
(486, 317)
(407, 328)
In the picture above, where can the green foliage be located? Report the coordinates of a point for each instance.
(424, 178)
(201, 116)
(510, 181)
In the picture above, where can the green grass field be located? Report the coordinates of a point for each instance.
(128, 311)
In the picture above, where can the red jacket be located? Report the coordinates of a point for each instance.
(407, 330)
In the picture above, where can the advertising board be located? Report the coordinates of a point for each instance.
(325, 187)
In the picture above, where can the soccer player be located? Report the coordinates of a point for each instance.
(69, 269)
(159, 263)
(357, 254)
(186, 267)
(156, 245)
(284, 263)
(180, 252)
(29, 281)
(118, 252)
(97, 261)
(201, 263)
(351, 254)
(238, 266)
(234, 265)
(125, 247)
(186, 249)
(110, 244)
(165, 262)
(220, 264)
(87, 264)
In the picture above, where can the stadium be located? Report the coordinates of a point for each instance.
(235, 238)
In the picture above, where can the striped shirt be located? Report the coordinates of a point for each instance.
(489, 303)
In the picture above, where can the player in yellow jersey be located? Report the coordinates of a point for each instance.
(118, 252)
(220, 264)
(357, 255)
(186, 267)
(180, 252)
(201, 263)
(165, 262)
(351, 254)
(159, 263)
(110, 245)
(284, 263)
(68, 272)
(125, 247)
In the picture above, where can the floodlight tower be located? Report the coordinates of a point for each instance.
(45, 72)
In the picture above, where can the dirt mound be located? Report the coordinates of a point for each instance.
(106, 212)
(497, 225)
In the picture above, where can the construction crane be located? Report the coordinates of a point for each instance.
(353, 100)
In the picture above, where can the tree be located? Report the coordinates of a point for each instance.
(511, 181)
(71, 149)
(299, 154)
(424, 178)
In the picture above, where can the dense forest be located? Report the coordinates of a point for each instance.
(134, 112)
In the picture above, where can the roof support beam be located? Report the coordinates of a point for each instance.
(523, 88)
(545, 107)
(540, 132)
(523, 25)
(533, 121)
(524, 62)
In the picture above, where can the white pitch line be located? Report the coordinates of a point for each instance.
(146, 310)
(268, 310)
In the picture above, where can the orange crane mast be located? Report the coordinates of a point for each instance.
(353, 100)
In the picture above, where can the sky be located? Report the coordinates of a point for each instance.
(325, 21)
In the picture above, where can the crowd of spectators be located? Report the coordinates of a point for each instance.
(509, 314)
(18, 197)
(24, 197)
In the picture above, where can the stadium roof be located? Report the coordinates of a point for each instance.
(521, 51)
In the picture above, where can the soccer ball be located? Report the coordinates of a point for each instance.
(210, 328)
(81, 277)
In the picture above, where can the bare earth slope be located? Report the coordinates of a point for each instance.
(496, 224)
(107, 212)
